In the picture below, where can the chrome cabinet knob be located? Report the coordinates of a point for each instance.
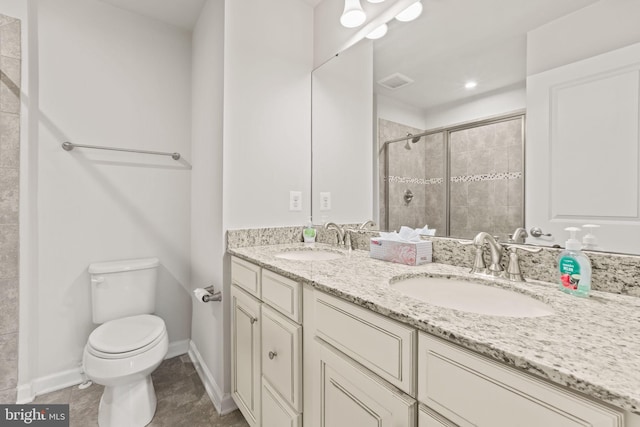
(253, 320)
(272, 355)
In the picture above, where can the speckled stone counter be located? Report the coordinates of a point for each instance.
(589, 345)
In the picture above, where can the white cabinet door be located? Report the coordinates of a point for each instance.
(582, 150)
(245, 354)
(350, 396)
(275, 411)
(430, 418)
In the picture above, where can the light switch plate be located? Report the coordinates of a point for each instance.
(325, 201)
(295, 200)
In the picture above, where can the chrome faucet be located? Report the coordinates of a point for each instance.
(495, 248)
(369, 223)
(518, 236)
(341, 232)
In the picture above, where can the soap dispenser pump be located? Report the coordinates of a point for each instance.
(590, 241)
(574, 267)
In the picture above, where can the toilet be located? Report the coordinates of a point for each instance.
(129, 344)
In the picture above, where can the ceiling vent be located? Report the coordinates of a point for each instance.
(395, 81)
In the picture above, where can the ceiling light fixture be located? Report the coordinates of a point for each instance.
(410, 13)
(353, 14)
(378, 32)
(375, 1)
(470, 84)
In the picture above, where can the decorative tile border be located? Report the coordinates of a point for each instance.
(412, 180)
(487, 177)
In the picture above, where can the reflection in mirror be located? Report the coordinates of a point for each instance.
(464, 179)
(500, 45)
(342, 131)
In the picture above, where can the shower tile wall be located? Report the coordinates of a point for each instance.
(419, 169)
(486, 192)
(10, 49)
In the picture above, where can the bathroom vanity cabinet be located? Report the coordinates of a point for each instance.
(363, 368)
(266, 346)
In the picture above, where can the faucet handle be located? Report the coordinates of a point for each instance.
(514, 246)
(513, 271)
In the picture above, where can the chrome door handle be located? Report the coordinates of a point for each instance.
(537, 232)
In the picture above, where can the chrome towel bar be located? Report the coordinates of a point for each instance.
(68, 146)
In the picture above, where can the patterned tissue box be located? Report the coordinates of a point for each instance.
(410, 253)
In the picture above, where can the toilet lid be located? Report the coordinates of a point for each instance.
(126, 334)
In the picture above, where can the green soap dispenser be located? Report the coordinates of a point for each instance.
(309, 233)
(574, 267)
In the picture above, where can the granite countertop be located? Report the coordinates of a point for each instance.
(591, 345)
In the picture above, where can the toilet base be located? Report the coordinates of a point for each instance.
(128, 405)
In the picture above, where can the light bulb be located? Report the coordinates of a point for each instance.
(470, 84)
(353, 14)
(378, 32)
(410, 13)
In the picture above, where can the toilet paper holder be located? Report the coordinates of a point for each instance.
(212, 296)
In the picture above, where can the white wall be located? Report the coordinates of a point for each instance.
(499, 102)
(396, 111)
(599, 28)
(207, 237)
(106, 77)
(268, 58)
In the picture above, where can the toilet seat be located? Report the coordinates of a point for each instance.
(126, 337)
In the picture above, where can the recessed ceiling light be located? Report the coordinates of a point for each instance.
(410, 13)
(470, 84)
(378, 32)
(375, 1)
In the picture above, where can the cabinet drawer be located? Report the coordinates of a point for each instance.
(282, 294)
(245, 275)
(472, 390)
(382, 345)
(281, 356)
(275, 411)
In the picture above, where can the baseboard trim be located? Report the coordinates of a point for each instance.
(223, 403)
(48, 384)
(177, 348)
(58, 381)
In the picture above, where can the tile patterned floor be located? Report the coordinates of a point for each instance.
(182, 400)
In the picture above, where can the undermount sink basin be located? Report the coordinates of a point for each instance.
(472, 297)
(309, 255)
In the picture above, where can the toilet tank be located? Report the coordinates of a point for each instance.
(123, 288)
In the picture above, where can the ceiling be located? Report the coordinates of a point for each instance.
(180, 13)
(458, 40)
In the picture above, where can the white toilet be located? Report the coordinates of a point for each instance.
(129, 344)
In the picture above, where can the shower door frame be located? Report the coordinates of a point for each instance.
(447, 131)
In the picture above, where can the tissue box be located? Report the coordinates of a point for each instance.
(410, 253)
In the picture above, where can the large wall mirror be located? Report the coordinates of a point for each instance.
(430, 124)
